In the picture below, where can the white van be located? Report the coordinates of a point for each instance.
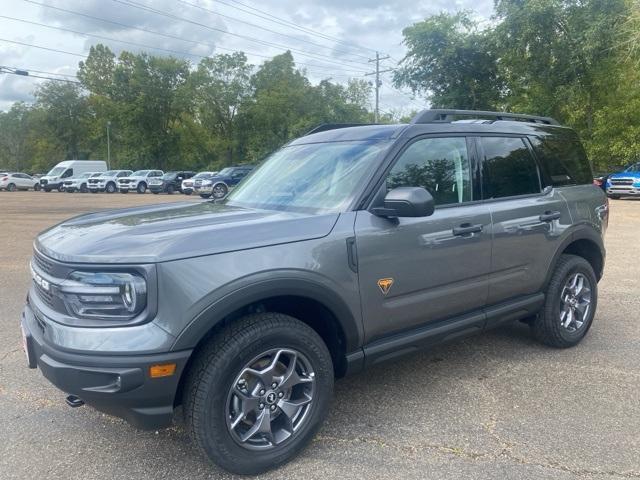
(67, 169)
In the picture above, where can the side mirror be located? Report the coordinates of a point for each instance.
(406, 202)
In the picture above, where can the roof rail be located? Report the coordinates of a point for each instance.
(445, 115)
(323, 127)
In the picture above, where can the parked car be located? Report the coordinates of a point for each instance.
(625, 183)
(366, 243)
(187, 185)
(138, 181)
(54, 180)
(170, 182)
(79, 183)
(107, 181)
(18, 181)
(219, 185)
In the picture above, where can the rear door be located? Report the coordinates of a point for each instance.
(527, 220)
(417, 271)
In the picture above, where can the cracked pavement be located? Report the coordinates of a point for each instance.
(496, 406)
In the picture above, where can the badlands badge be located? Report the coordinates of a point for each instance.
(385, 285)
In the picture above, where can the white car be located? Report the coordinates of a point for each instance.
(107, 181)
(138, 181)
(18, 181)
(188, 184)
(79, 183)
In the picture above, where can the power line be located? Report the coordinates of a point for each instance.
(317, 56)
(27, 73)
(175, 37)
(281, 21)
(297, 39)
(85, 56)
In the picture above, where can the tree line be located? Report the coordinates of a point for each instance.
(164, 112)
(575, 60)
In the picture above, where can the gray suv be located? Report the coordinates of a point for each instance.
(347, 247)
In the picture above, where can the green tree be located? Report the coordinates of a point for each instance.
(451, 62)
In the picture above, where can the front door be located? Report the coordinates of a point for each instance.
(416, 271)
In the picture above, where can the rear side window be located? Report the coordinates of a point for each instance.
(508, 168)
(563, 159)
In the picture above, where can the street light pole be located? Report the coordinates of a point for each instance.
(108, 145)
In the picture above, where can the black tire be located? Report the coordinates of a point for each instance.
(93, 191)
(212, 377)
(110, 188)
(170, 189)
(83, 188)
(187, 192)
(11, 187)
(205, 195)
(547, 326)
(142, 187)
(219, 191)
(36, 187)
(61, 188)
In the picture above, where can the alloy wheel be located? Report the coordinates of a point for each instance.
(270, 399)
(575, 302)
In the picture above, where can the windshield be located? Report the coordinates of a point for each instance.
(109, 173)
(633, 168)
(205, 175)
(169, 175)
(313, 177)
(56, 171)
(140, 173)
(225, 171)
(86, 175)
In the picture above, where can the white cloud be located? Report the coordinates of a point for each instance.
(362, 25)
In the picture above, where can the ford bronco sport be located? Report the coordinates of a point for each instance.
(345, 248)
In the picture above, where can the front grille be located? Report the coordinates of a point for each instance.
(47, 297)
(123, 181)
(68, 183)
(45, 265)
(621, 181)
(92, 180)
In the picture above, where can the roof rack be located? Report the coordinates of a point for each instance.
(323, 127)
(444, 115)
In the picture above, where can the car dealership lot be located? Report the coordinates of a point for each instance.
(495, 406)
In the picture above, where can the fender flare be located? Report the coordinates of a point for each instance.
(580, 232)
(263, 288)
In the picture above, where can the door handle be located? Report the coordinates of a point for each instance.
(466, 229)
(549, 216)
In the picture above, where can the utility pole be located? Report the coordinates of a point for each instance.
(108, 146)
(376, 114)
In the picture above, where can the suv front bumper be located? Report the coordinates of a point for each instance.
(627, 190)
(118, 385)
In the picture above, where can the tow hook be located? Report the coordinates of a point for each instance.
(74, 401)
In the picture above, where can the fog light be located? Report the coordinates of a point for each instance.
(163, 370)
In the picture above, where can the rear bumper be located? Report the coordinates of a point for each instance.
(117, 385)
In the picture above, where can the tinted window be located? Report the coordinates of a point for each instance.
(563, 158)
(633, 168)
(439, 165)
(68, 173)
(508, 169)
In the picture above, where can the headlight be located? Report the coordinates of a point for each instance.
(108, 295)
(636, 182)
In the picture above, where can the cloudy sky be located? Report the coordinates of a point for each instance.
(329, 38)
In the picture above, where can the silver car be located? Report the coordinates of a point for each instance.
(18, 181)
(79, 183)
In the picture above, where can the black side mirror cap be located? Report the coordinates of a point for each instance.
(406, 202)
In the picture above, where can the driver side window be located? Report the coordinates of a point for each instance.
(439, 165)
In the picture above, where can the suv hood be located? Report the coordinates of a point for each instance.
(625, 175)
(174, 231)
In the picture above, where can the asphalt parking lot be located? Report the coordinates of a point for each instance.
(498, 406)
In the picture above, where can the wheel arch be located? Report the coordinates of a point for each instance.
(584, 242)
(309, 301)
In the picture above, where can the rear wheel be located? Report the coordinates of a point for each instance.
(570, 304)
(258, 392)
(142, 187)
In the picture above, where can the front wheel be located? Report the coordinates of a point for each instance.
(570, 304)
(170, 189)
(11, 187)
(36, 187)
(83, 188)
(110, 188)
(61, 188)
(142, 187)
(219, 191)
(258, 392)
